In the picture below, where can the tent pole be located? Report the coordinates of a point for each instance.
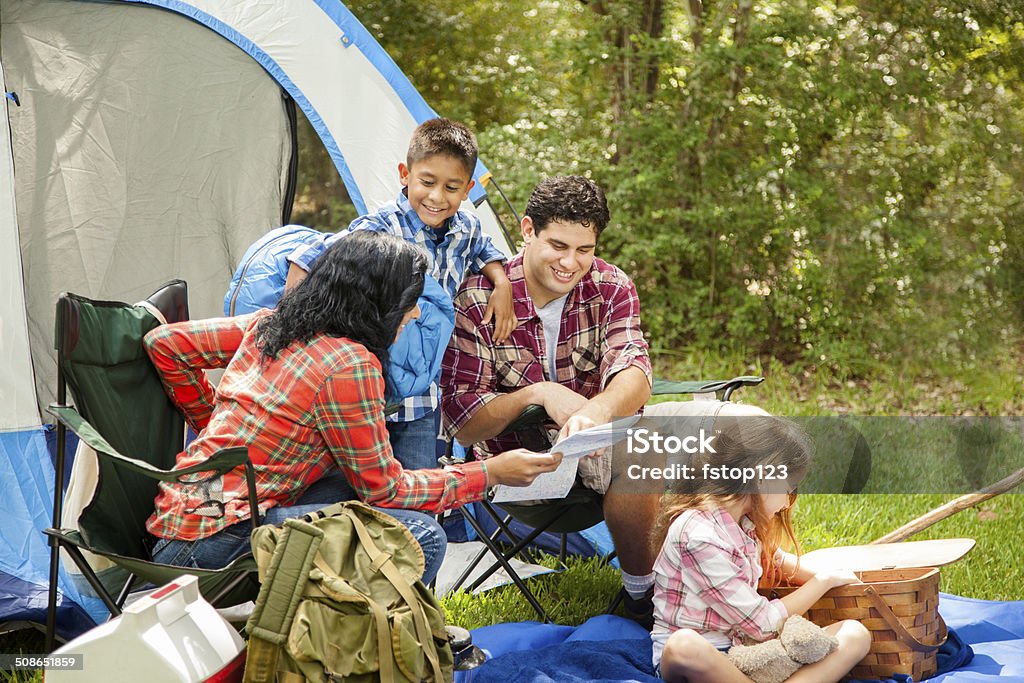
(58, 501)
(293, 163)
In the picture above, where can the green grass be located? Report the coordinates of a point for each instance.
(27, 641)
(991, 571)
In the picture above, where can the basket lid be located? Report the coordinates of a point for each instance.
(903, 555)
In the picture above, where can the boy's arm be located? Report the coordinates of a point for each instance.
(295, 276)
(302, 258)
(499, 304)
(482, 249)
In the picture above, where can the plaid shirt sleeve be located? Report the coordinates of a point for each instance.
(623, 344)
(468, 381)
(349, 410)
(372, 222)
(708, 570)
(182, 351)
(305, 255)
(482, 249)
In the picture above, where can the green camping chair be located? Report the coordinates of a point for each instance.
(122, 412)
(580, 510)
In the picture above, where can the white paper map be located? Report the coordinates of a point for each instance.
(558, 483)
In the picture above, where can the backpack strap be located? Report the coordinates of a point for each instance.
(279, 596)
(380, 618)
(383, 562)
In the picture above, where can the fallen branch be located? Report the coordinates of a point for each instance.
(952, 507)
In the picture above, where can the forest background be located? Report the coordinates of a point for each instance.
(827, 191)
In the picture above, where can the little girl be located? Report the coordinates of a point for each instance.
(716, 537)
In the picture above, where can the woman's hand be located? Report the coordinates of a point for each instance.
(520, 467)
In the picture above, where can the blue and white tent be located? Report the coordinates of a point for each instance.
(151, 140)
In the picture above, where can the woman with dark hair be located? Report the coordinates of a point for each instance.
(303, 388)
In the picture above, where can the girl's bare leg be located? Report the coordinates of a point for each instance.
(689, 655)
(854, 643)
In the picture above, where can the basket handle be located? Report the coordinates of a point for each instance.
(901, 631)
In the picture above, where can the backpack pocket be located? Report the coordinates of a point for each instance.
(342, 641)
(408, 649)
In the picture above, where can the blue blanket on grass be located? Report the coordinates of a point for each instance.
(609, 648)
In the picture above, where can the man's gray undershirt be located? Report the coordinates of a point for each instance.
(551, 317)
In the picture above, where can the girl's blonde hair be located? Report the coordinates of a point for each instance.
(745, 442)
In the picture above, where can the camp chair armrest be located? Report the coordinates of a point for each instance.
(717, 386)
(222, 461)
(534, 414)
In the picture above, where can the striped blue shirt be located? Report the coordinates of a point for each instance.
(464, 247)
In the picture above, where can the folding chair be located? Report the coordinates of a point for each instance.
(580, 510)
(121, 408)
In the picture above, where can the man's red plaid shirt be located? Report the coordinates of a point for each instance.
(600, 336)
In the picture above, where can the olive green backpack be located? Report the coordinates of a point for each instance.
(341, 600)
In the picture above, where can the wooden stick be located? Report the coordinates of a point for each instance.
(952, 507)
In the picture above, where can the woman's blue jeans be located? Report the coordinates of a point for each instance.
(218, 550)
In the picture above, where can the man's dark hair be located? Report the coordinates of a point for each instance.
(360, 288)
(572, 199)
(443, 136)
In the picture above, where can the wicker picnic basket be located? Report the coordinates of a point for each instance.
(900, 608)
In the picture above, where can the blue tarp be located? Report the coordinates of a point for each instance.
(609, 648)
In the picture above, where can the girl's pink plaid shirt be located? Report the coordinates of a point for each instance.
(706, 579)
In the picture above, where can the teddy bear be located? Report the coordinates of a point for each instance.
(773, 661)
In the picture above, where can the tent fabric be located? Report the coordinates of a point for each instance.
(24, 552)
(609, 648)
(29, 601)
(365, 126)
(17, 392)
(135, 158)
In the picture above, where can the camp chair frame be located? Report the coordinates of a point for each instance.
(170, 303)
(532, 419)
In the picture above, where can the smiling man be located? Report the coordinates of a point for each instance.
(577, 350)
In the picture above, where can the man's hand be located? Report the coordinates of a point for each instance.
(499, 309)
(576, 423)
(520, 467)
(561, 403)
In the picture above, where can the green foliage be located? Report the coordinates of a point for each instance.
(817, 181)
